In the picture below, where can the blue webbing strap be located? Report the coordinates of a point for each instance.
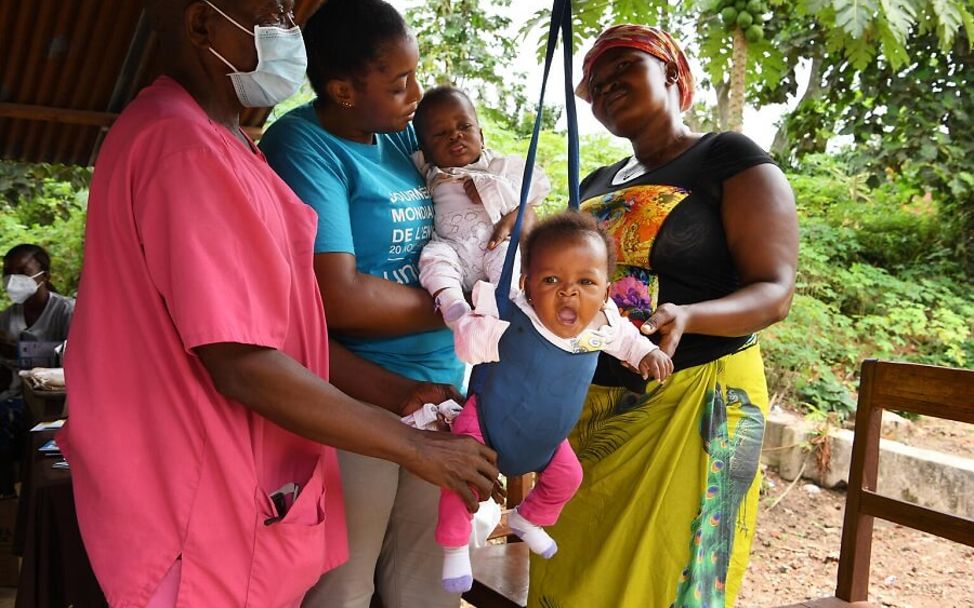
(561, 18)
(566, 45)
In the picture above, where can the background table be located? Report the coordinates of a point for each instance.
(55, 571)
(44, 405)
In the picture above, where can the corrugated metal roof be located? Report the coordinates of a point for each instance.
(68, 67)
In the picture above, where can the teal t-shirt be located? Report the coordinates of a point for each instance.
(372, 203)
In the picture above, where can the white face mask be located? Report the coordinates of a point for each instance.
(281, 64)
(20, 287)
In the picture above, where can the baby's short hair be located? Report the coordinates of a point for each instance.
(434, 97)
(567, 226)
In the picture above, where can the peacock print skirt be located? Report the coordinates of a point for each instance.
(666, 511)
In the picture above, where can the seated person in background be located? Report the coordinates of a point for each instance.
(36, 314)
(472, 189)
(568, 260)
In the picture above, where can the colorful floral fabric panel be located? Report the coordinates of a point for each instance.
(633, 217)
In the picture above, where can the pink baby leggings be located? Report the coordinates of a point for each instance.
(554, 487)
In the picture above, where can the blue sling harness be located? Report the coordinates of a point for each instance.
(530, 399)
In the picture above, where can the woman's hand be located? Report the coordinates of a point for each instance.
(669, 321)
(455, 462)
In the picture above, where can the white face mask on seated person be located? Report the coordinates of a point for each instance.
(21, 287)
(281, 64)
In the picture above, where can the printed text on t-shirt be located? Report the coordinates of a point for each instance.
(413, 194)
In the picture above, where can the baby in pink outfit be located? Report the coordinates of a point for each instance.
(565, 293)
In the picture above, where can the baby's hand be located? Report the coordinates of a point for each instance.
(656, 364)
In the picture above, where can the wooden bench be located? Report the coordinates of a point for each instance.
(937, 392)
(500, 571)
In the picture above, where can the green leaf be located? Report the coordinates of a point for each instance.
(900, 16)
(949, 20)
(715, 46)
(968, 27)
(860, 52)
(814, 6)
(893, 48)
(854, 16)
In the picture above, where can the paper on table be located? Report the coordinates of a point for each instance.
(48, 426)
(50, 448)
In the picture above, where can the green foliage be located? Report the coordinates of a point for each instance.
(852, 36)
(552, 156)
(464, 44)
(876, 279)
(590, 17)
(862, 30)
(904, 138)
(45, 205)
(303, 96)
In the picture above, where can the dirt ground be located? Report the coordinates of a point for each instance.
(796, 548)
(796, 551)
(946, 436)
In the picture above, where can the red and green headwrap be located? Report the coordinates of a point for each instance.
(648, 39)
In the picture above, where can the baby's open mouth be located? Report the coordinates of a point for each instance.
(567, 316)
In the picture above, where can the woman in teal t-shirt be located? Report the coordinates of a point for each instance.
(347, 154)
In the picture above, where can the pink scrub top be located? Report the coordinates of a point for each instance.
(191, 240)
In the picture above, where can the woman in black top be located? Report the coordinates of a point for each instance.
(707, 242)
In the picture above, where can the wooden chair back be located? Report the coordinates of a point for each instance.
(937, 392)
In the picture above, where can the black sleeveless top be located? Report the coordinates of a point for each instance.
(670, 241)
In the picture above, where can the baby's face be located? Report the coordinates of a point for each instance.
(567, 283)
(451, 135)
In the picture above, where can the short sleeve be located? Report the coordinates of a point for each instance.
(222, 274)
(733, 152)
(594, 183)
(62, 320)
(319, 179)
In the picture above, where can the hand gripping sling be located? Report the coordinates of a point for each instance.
(530, 400)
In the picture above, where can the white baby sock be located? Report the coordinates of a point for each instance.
(536, 538)
(457, 574)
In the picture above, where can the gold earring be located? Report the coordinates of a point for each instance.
(346, 104)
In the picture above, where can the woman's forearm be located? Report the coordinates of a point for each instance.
(367, 381)
(377, 307)
(281, 390)
(363, 305)
(747, 310)
(277, 387)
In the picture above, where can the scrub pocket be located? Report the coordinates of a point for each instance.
(289, 554)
